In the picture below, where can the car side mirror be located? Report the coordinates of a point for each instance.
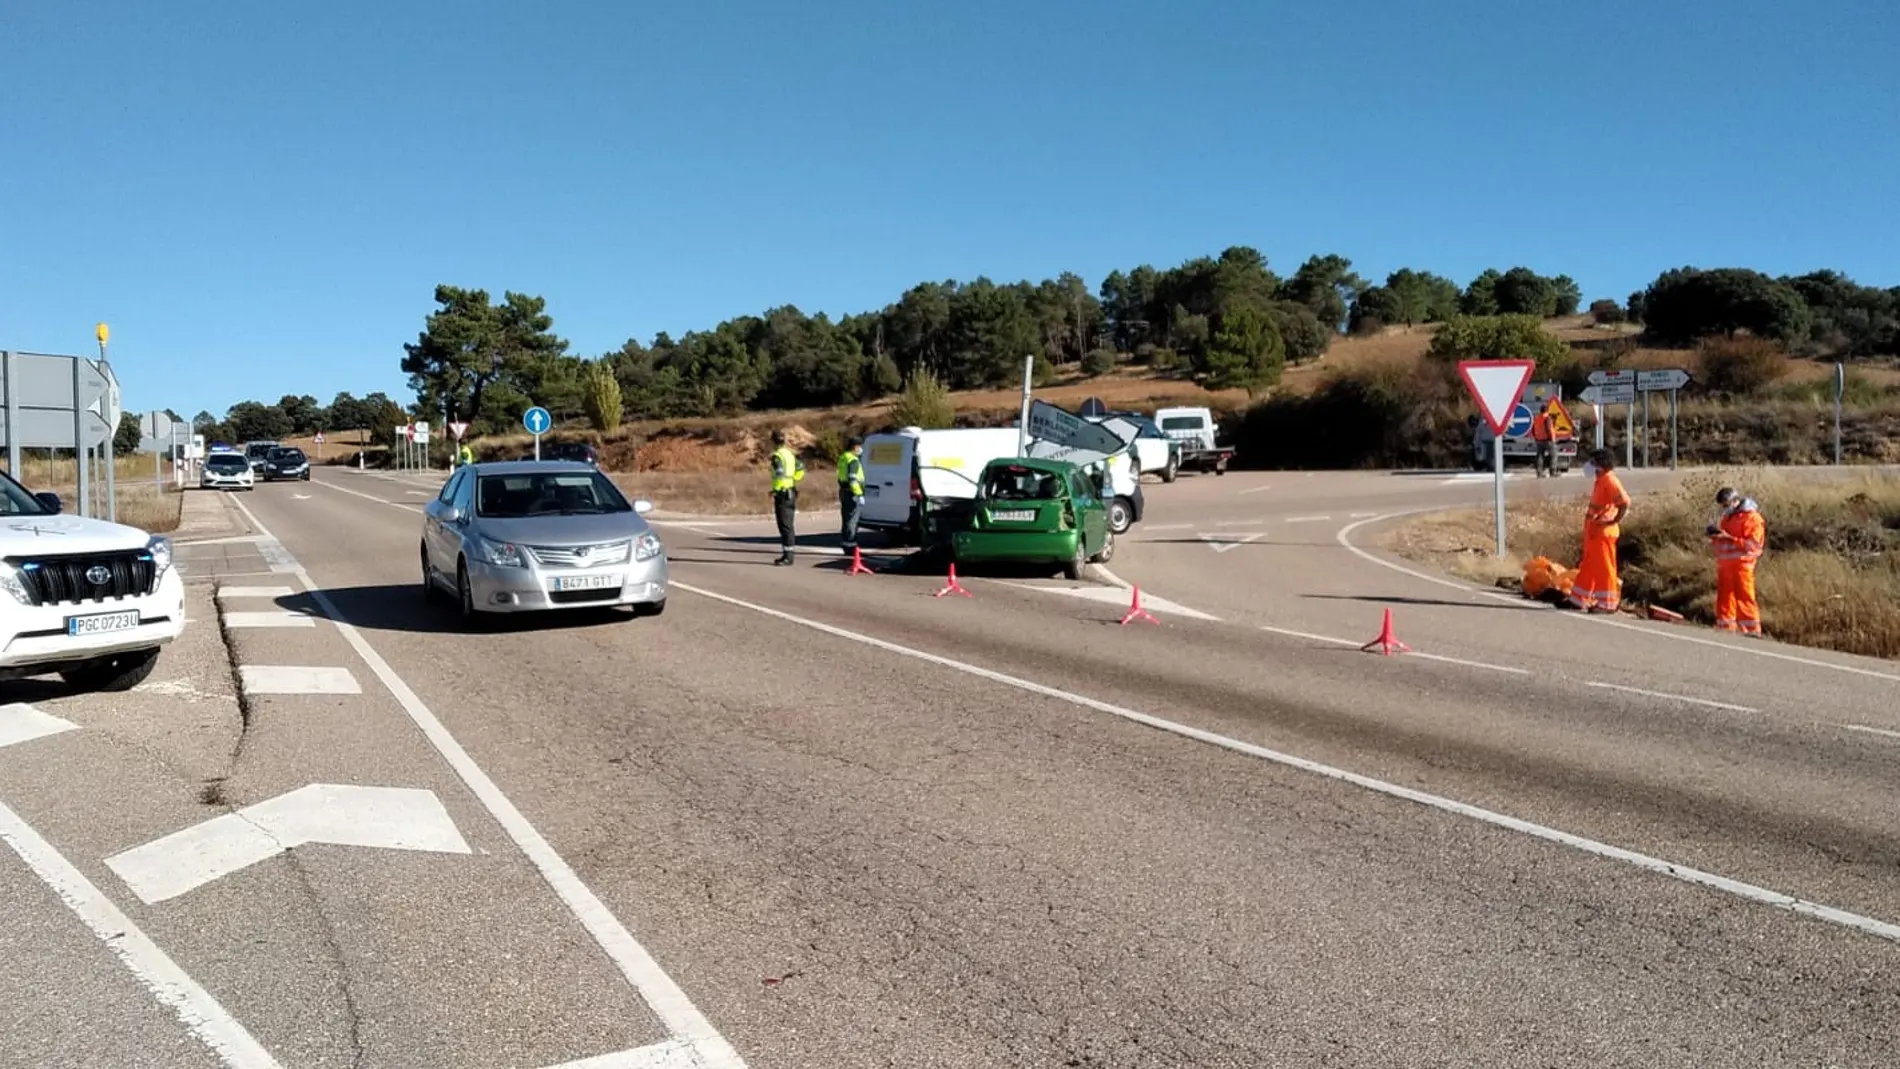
(450, 514)
(642, 506)
(51, 501)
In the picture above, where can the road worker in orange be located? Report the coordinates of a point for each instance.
(1597, 588)
(1541, 440)
(1737, 540)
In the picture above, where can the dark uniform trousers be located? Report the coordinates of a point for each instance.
(849, 509)
(785, 511)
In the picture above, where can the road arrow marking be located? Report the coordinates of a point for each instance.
(23, 723)
(667, 1054)
(1221, 543)
(387, 818)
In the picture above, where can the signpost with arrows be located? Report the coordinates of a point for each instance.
(1496, 386)
(1623, 388)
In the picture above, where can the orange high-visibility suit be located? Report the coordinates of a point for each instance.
(1597, 586)
(1738, 542)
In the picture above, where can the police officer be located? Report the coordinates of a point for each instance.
(466, 455)
(850, 493)
(787, 472)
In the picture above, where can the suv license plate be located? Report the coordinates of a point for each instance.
(102, 623)
(1014, 515)
(585, 582)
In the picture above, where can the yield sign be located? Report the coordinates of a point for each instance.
(390, 818)
(458, 429)
(1496, 385)
(1222, 542)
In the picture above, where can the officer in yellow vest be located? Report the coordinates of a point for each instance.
(850, 492)
(787, 472)
(466, 455)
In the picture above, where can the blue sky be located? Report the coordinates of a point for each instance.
(261, 198)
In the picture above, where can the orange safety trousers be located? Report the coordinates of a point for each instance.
(1597, 586)
(1735, 607)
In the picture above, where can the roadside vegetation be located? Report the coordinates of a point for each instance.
(151, 506)
(1830, 577)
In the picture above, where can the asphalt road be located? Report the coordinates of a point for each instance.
(804, 819)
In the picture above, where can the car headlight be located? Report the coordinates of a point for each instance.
(501, 554)
(647, 547)
(160, 548)
(10, 582)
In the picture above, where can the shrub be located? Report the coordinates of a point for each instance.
(1098, 362)
(1606, 312)
(601, 397)
(1741, 366)
(924, 402)
(1501, 337)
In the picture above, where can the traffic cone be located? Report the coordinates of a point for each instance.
(1387, 642)
(857, 564)
(1135, 611)
(952, 586)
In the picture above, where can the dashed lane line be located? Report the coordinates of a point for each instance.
(1673, 697)
(1659, 866)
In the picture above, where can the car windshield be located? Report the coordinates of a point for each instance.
(1182, 423)
(1015, 483)
(16, 500)
(287, 456)
(227, 463)
(542, 493)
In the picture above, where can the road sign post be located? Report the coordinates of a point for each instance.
(1022, 424)
(1661, 380)
(1840, 393)
(1496, 386)
(537, 421)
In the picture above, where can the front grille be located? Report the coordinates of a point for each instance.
(580, 597)
(571, 557)
(63, 580)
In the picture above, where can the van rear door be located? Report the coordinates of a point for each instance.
(887, 475)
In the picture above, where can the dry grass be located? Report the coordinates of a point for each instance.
(1830, 577)
(141, 502)
(720, 493)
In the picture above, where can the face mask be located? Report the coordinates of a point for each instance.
(1589, 470)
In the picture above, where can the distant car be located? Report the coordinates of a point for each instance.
(227, 471)
(533, 536)
(259, 453)
(286, 463)
(578, 452)
(1036, 512)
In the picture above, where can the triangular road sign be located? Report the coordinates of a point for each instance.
(1496, 385)
(1562, 427)
(458, 428)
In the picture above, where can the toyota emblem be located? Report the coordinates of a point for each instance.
(98, 575)
(582, 552)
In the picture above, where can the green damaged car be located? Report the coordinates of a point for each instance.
(1031, 511)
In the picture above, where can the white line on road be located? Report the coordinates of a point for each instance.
(225, 593)
(1414, 653)
(169, 984)
(670, 1054)
(272, 618)
(1256, 489)
(23, 723)
(667, 1000)
(1345, 539)
(1672, 697)
(1872, 731)
(1306, 519)
(296, 679)
(356, 493)
(1167, 526)
(1750, 892)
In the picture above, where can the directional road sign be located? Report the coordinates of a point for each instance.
(1621, 394)
(537, 421)
(1520, 424)
(1053, 425)
(1661, 379)
(1626, 377)
(1496, 385)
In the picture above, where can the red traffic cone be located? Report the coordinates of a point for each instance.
(952, 586)
(1387, 643)
(1135, 611)
(857, 564)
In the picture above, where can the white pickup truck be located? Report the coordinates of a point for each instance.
(88, 600)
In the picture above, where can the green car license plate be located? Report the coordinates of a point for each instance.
(1013, 515)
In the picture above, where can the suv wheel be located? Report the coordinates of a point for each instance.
(1121, 515)
(1173, 469)
(121, 671)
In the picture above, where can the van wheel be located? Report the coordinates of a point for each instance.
(1108, 550)
(1220, 466)
(1121, 515)
(1173, 469)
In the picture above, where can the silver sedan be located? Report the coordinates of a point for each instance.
(539, 535)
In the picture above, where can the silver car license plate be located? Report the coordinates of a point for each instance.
(102, 623)
(584, 582)
(1013, 515)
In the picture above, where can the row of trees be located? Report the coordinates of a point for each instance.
(374, 418)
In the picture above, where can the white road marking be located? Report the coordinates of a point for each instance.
(227, 541)
(1345, 540)
(1672, 697)
(670, 1054)
(421, 493)
(23, 723)
(1872, 731)
(1114, 597)
(297, 679)
(1221, 543)
(1167, 526)
(1747, 891)
(1362, 515)
(667, 1000)
(170, 985)
(357, 493)
(300, 497)
(1256, 490)
(1421, 656)
(1306, 519)
(229, 592)
(274, 618)
(388, 818)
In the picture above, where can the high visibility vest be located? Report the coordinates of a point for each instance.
(787, 470)
(851, 473)
(468, 455)
(1540, 427)
(1741, 535)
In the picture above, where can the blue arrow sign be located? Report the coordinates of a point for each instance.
(1520, 424)
(537, 420)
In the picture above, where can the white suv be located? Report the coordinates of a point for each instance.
(89, 600)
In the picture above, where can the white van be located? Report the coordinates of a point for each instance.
(908, 470)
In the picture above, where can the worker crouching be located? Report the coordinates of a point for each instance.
(1737, 540)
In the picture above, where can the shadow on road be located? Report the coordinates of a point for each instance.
(401, 609)
(1395, 600)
